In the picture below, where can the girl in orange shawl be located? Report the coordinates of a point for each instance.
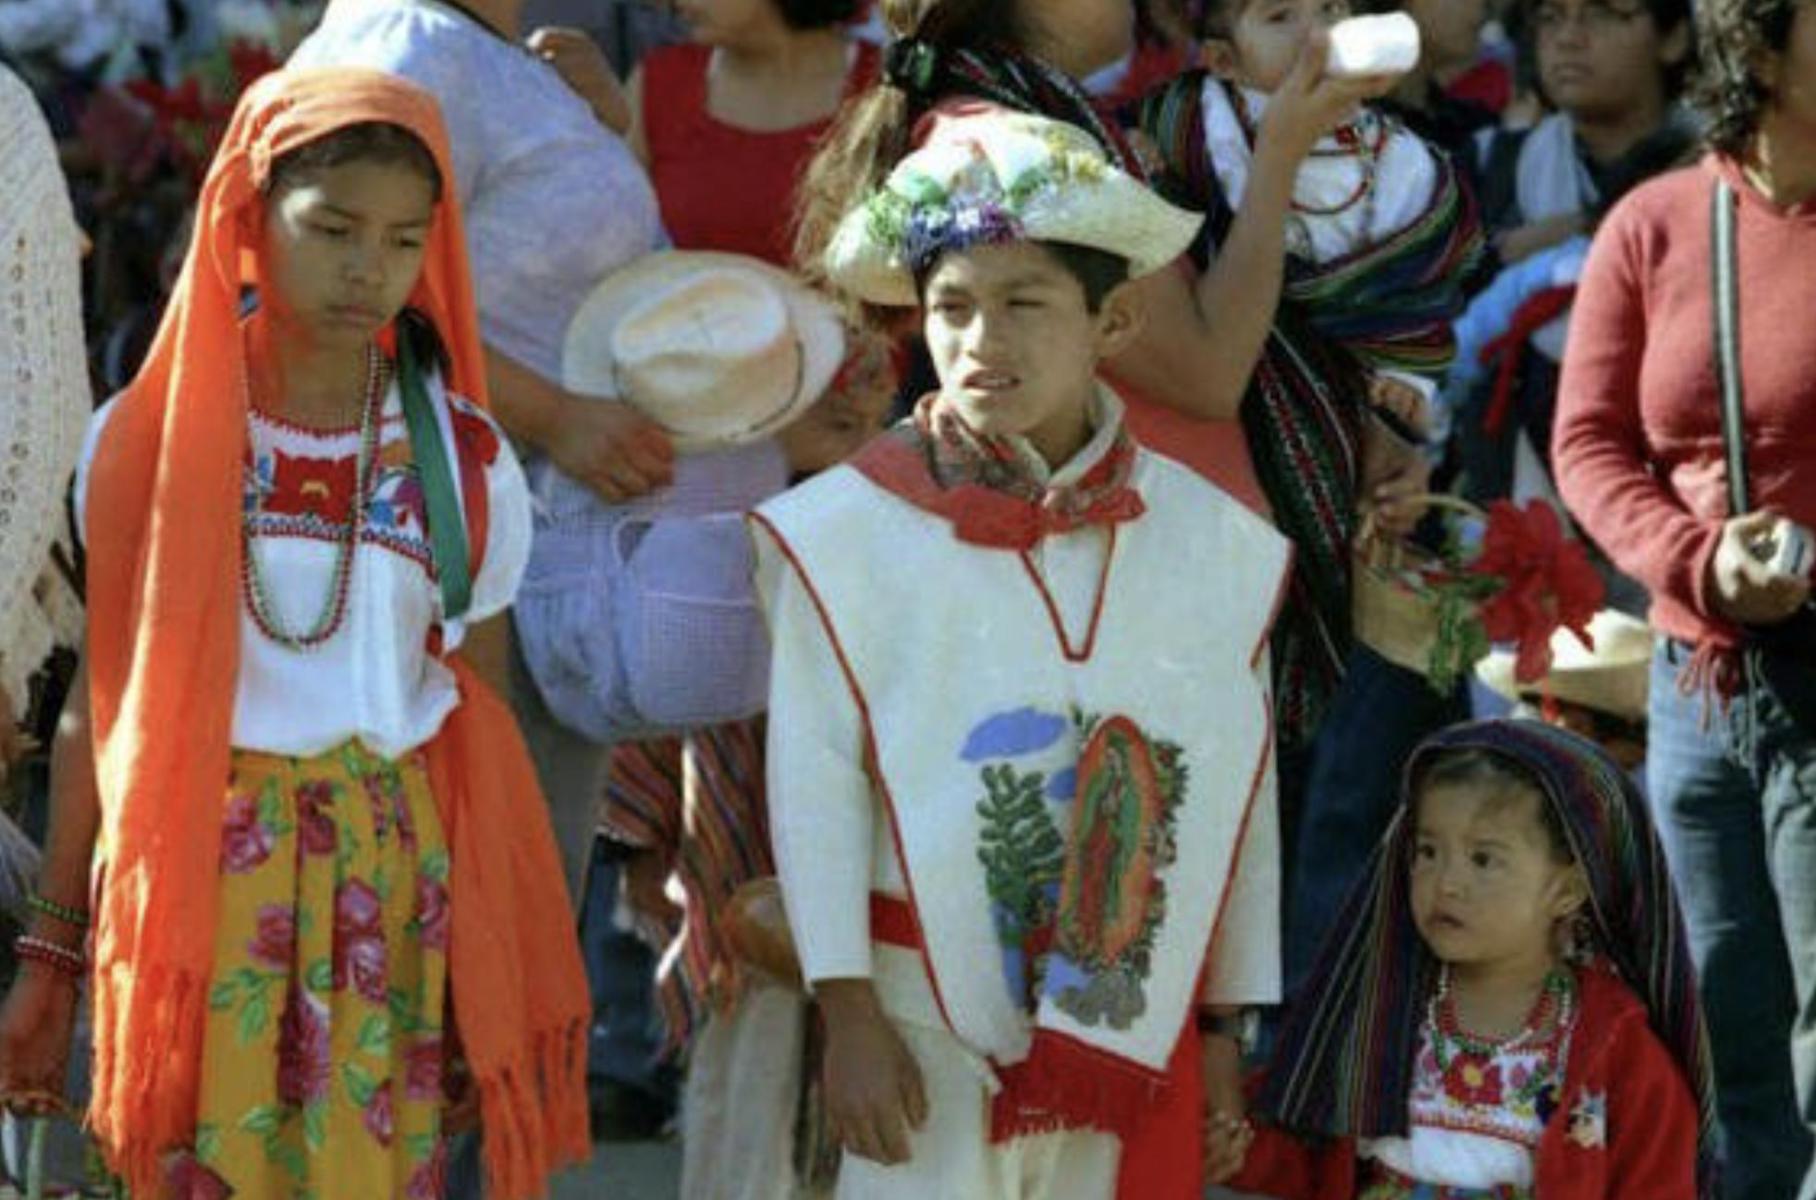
(318, 861)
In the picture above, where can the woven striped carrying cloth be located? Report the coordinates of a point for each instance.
(1387, 307)
(1344, 1063)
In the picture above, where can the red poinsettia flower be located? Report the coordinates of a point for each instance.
(1471, 1081)
(1548, 584)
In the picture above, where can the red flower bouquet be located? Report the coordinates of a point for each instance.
(1520, 581)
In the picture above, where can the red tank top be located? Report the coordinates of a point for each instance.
(723, 188)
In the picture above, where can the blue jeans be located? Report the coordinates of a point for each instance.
(1338, 796)
(1738, 824)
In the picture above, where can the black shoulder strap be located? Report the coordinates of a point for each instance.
(1726, 299)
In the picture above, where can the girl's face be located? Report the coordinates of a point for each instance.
(1450, 30)
(1016, 347)
(343, 248)
(1266, 37)
(1487, 887)
(728, 22)
(1600, 59)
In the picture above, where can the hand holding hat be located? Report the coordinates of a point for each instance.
(718, 349)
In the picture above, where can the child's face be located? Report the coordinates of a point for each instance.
(343, 248)
(1487, 887)
(1265, 38)
(1600, 59)
(1015, 346)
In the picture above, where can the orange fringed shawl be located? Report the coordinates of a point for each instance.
(163, 533)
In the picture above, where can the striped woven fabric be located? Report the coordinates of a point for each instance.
(702, 800)
(1344, 1062)
(1386, 307)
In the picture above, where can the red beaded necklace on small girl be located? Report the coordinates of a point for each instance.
(1544, 1028)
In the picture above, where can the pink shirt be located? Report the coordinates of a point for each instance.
(1638, 441)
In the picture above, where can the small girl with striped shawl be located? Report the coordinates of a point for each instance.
(1506, 1010)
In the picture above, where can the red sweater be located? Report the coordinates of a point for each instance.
(1638, 443)
(1641, 1147)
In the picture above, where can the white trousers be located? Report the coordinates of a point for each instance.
(738, 1109)
(951, 1157)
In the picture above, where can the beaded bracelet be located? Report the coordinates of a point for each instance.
(61, 959)
(74, 917)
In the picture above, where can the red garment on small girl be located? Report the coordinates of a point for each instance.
(721, 187)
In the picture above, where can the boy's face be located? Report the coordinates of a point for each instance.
(1265, 38)
(1015, 347)
(1599, 59)
(343, 247)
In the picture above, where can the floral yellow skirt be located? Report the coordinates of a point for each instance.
(323, 1058)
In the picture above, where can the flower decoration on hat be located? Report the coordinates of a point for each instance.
(997, 177)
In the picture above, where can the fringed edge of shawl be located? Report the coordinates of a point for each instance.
(534, 1114)
(144, 1103)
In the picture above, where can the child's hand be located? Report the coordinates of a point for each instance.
(1226, 1143)
(874, 1091)
(1226, 1129)
(849, 414)
(1308, 105)
(1405, 402)
(1394, 475)
(581, 64)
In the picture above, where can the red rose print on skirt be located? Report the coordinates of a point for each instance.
(315, 818)
(245, 842)
(305, 1064)
(274, 943)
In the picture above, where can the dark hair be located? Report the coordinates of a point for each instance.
(366, 142)
(872, 133)
(1734, 37)
(1216, 18)
(1496, 774)
(818, 14)
(1098, 272)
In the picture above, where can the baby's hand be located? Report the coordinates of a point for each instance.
(1226, 1142)
(1400, 398)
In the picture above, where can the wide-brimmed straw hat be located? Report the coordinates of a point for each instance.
(718, 349)
(1001, 177)
(1612, 678)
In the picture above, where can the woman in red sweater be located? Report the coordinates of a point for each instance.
(1639, 447)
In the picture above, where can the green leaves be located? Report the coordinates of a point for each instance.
(1021, 849)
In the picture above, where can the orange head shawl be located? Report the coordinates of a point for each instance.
(163, 535)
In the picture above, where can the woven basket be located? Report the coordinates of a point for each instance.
(1393, 612)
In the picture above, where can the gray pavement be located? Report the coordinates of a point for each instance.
(652, 1171)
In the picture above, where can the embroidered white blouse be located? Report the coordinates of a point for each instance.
(377, 678)
(1476, 1126)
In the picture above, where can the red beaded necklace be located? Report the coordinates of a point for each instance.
(252, 575)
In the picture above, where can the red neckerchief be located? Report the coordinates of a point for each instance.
(938, 463)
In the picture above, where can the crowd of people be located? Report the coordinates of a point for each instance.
(938, 598)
